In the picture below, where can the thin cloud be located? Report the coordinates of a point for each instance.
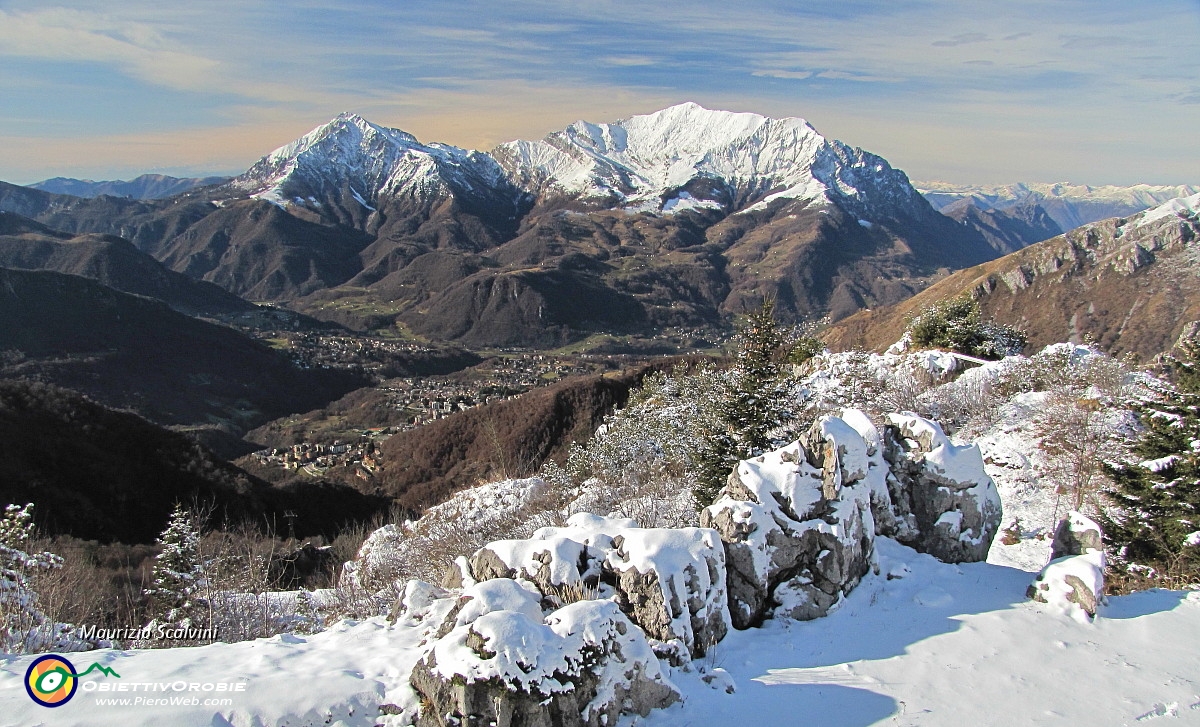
(59, 34)
(961, 39)
(777, 73)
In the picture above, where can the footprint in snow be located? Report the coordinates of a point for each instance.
(934, 598)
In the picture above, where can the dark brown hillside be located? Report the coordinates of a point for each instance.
(112, 261)
(100, 474)
(1130, 287)
(424, 466)
(131, 352)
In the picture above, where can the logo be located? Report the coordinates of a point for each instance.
(51, 680)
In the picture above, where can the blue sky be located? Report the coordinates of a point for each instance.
(1087, 91)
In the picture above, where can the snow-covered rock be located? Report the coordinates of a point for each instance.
(942, 490)
(1073, 582)
(798, 524)
(1076, 534)
(500, 594)
(670, 581)
(584, 664)
(550, 563)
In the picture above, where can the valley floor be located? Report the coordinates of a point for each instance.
(920, 643)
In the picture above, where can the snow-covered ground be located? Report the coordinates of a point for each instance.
(922, 643)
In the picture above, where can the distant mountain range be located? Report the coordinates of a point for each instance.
(670, 222)
(1128, 283)
(1069, 205)
(663, 225)
(147, 186)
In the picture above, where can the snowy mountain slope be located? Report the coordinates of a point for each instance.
(352, 155)
(645, 162)
(1070, 205)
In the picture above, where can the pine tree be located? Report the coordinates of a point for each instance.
(1156, 522)
(752, 404)
(178, 573)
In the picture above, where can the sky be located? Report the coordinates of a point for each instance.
(965, 91)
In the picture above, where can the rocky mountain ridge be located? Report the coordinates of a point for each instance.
(1128, 283)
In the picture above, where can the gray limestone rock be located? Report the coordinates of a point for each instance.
(941, 491)
(798, 524)
(1076, 535)
(585, 666)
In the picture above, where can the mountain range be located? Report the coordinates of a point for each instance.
(661, 224)
(1127, 283)
(1069, 205)
(147, 186)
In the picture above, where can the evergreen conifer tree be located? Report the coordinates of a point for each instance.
(23, 627)
(177, 574)
(1156, 521)
(752, 404)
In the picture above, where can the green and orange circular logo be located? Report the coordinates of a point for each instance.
(51, 680)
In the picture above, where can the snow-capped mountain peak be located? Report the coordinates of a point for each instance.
(645, 161)
(682, 157)
(374, 161)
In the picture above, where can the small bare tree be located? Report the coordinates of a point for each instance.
(1077, 439)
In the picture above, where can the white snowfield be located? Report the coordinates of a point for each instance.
(1180, 207)
(921, 643)
(642, 158)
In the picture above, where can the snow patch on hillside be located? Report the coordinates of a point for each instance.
(1180, 207)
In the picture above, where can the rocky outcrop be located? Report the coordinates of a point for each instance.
(1088, 283)
(585, 664)
(941, 491)
(671, 582)
(798, 524)
(1073, 581)
(1076, 535)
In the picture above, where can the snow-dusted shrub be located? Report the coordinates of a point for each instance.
(643, 456)
(425, 548)
(870, 382)
(958, 325)
(24, 629)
